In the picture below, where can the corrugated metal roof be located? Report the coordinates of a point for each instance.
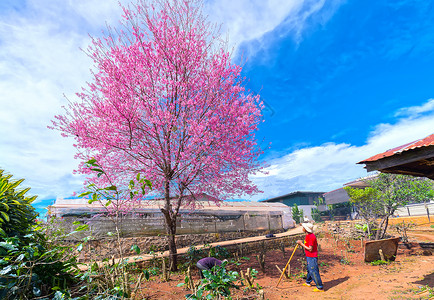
(428, 141)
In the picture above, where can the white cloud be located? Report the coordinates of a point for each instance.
(40, 61)
(245, 20)
(327, 167)
(416, 110)
(250, 20)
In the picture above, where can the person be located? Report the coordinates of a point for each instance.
(208, 263)
(310, 246)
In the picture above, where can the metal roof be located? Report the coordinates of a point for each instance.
(425, 142)
(291, 194)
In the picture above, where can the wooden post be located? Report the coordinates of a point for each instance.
(244, 221)
(269, 225)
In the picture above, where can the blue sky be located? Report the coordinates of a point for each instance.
(342, 80)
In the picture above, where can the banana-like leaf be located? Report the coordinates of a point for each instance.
(21, 193)
(5, 216)
(16, 183)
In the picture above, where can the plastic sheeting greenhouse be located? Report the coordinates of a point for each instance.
(147, 219)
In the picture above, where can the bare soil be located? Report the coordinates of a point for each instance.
(344, 273)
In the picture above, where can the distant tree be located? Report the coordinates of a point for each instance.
(166, 102)
(315, 212)
(367, 205)
(297, 214)
(385, 194)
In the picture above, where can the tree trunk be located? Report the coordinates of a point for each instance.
(171, 233)
(170, 222)
(385, 227)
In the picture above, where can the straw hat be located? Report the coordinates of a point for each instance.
(308, 227)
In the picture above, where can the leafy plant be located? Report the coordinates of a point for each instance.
(249, 277)
(402, 229)
(218, 252)
(297, 214)
(425, 289)
(113, 278)
(379, 262)
(315, 213)
(194, 254)
(217, 284)
(17, 215)
(30, 266)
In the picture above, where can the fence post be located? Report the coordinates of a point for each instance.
(269, 225)
(244, 221)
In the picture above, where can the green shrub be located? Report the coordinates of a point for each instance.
(297, 214)
(316, 214)
(217, 284)
(30, 266)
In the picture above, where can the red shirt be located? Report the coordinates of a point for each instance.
(310, 240)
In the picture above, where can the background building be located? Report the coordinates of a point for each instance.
(304, 200)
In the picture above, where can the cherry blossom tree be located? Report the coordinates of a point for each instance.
(166, 101)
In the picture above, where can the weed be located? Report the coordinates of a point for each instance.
(323, 264)
(379, 262)
(426, 290)
(344, 260)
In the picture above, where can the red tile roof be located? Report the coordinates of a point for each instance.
(428, 141)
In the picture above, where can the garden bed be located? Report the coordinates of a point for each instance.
(342, 267)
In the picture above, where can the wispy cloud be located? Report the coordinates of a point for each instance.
(413, 111)
(327, 167)
(250, 21)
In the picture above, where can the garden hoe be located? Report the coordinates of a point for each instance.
(283, 272)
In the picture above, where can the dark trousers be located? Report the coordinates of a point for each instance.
(201, 268)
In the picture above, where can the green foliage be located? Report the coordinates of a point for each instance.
(217, 284)
(219, 252)
(113, 279)
(402, 229)
(385, 194)
(17, 215)
(194, 254)
(316, 214)
(297, 214)
(31, 268)
(379, 262)
(426, 290)
(30, 265)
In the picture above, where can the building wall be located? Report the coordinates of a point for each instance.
(336, 196)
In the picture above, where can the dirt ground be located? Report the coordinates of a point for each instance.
(344, 273)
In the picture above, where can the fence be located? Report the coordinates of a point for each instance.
(421, 209)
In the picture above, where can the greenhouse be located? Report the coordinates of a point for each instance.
(147, 218)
